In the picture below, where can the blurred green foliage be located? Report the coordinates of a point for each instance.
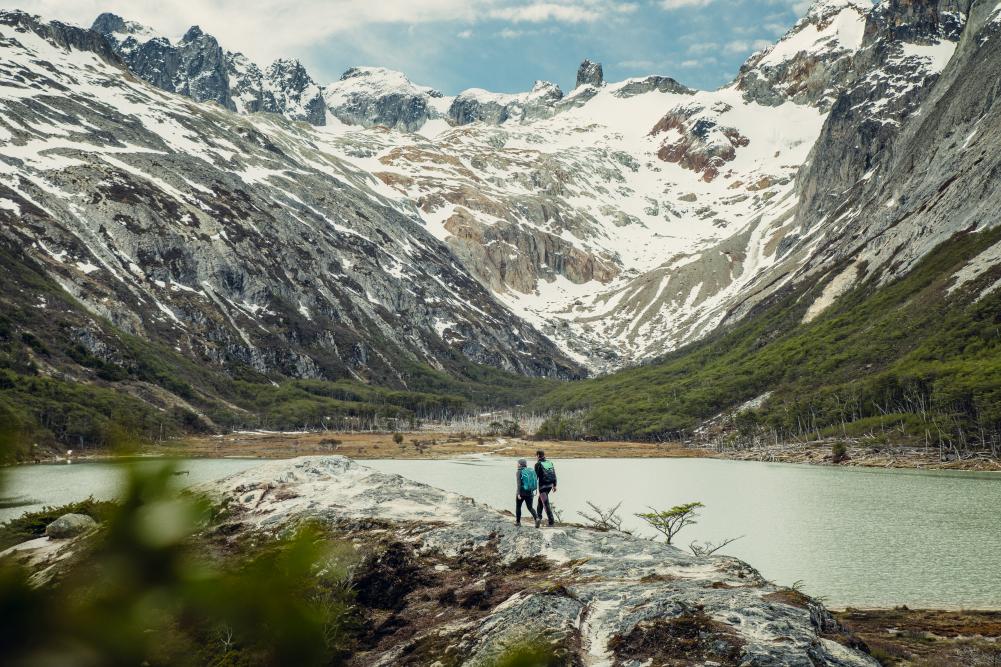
(141, 592)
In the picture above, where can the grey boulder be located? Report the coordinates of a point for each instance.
(70, 525)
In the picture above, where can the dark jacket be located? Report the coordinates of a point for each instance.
(544, 485)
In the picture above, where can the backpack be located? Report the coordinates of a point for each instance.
(528, 481)
(548, 473)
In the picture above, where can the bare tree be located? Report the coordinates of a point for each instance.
(709, 548)
(670, 522)
(600, 518)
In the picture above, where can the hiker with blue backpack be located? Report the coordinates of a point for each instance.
(525, 491)
(545, 471)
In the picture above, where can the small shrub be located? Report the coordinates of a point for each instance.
(839, 452)
(507, 428)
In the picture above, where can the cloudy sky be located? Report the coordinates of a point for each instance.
(501, 45)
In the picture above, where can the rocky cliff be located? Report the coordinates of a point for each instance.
(903, 161)
(473, 584)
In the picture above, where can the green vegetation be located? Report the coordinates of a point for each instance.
(900, 361)
(564, 426)
(508, 428)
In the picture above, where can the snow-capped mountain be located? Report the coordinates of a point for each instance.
(630, 217)
(239, 240)
(889, 92)
(623, 219)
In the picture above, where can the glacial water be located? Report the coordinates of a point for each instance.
(854, 536)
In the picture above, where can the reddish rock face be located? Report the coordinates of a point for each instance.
(704, 147)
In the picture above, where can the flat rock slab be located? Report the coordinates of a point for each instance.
(620, 595)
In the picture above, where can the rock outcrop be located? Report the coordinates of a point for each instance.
(196, 66)
(602, 597)
(661, 84)
(590, 74)
(477, 105)
(696, 141)
(375, 96)
(813, 61)
(288, 90)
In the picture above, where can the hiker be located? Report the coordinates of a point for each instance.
(546, 473)
(526, 485)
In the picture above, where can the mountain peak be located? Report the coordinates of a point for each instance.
(540, 85)
(811, 61)
(108, 23)
(821, 10)
(287, 65)
(193, 33)
(589, 73)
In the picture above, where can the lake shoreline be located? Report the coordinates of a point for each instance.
(898, 456)
(926, 636)
(427, 445)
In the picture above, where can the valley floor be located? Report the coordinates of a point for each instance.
(416, 445)
(440, 445)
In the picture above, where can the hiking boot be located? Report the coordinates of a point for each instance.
(538, 522)
(518, 523)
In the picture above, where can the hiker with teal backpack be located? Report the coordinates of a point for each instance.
(525, 490)
(545, 471)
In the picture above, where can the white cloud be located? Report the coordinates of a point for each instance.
(745, 46)
(267, 29)
(689, 64)
(678, 4)
(538, 12)
(702, 47)
(465, 34)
